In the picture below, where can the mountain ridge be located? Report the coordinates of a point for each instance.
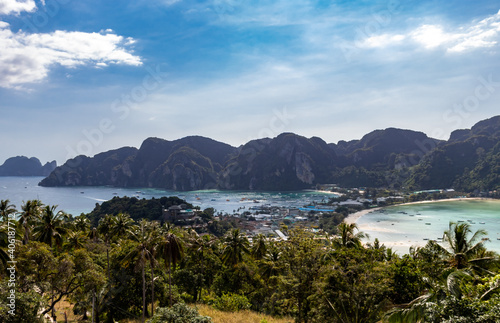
(391, 157)
(24, 166)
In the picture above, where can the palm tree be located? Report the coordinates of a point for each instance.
(81, 223)
(75, 241)
(141, 254)
(32, 210)
(6, 209)
(4, 242)
(104, 229)
(270, 265)
(259, 247)
(235, 245)
(172, 250)
(464, 252)
(50, 228)
(153, 243)
(346, 236)
(450, 284)
(200, 245)
(463, 256)
(122, 225)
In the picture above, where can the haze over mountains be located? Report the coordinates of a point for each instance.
(395, 158)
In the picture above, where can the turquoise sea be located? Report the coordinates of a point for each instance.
(77, 200)
(403, 226)
(398, 226)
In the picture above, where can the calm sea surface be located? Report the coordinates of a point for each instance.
(398, 227)
(75, 200)
(413, 225)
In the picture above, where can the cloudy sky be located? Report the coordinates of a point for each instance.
(82, 77)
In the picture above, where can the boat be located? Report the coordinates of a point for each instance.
(427, 223)
(482, 222)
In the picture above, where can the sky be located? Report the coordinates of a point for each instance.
(83, 77)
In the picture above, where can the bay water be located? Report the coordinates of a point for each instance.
(403, 226)
(77, 200)
(398, 227)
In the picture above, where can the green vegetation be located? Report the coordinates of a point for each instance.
(150, 209)
(136, 270)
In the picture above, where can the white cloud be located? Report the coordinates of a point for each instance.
(382, 41)
(27, 58)
(481, 34)
(8, 7)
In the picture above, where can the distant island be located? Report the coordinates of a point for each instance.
(394, 158)
(24, 166)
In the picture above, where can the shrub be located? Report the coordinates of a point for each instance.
(231, 302)
(179, 313)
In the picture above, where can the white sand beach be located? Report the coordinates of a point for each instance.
(393, 235)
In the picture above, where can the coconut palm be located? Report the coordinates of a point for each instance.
(104, 230)
(270, 265)
(201, 245)
(50, 228)
(4, 242)
(141, 254)
(6, 209)
(82, 224)
(122, 226)
(450, 284)
(235, 245)
(153, 243)
(75, 240)
(31, 211)
(259, 247)
(172, 249)
(465, 249)
(346, 236)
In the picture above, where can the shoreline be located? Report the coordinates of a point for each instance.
(354, 217)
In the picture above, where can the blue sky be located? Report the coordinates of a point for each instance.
(82, 77)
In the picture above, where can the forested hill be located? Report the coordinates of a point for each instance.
(24, 166)
(383, 158)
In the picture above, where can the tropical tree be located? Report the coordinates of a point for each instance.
(235, 246)
(31, 211)
(259, 247)
(452, 284)
(82, 224)
(172, 250)
(122, 226)
(75, 240)
(464, 252)
(201, 247)
(4, 242)
(104, 230)
(6, 209)
(50, 228)
(347, 238)
(143, 251)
